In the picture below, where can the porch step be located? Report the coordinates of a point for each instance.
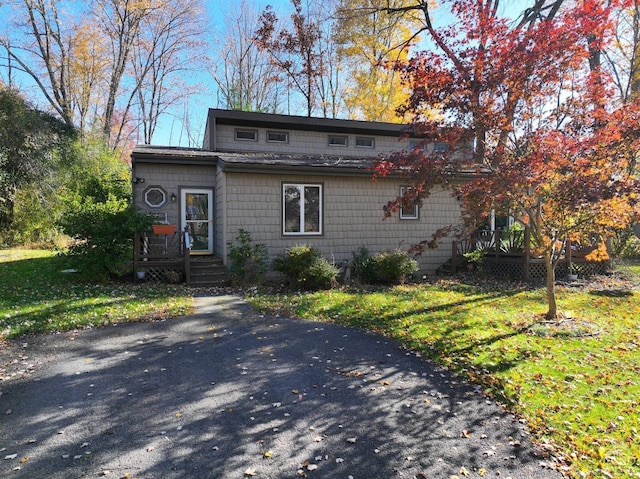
(207, 272)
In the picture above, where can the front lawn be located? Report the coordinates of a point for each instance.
(576, 382)
(37, 296)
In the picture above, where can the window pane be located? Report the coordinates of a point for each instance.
(292, 196)
(278, 136)
(197, 206)
(335, 140)
(362, 142)
(251, 135)
(409, 212)
(312, 209)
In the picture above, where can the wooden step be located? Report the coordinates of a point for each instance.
(206, 272)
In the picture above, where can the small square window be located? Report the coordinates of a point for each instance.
(411, 212)
(246, 135)
(413, 144)
(278, 136)
(440, 147)
(365, 142)
(337, 140)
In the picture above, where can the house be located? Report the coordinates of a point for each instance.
(288, 180)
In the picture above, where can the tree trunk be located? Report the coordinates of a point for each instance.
(552, 312)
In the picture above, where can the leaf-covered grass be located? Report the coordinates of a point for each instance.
(36, 296)
(576, 382)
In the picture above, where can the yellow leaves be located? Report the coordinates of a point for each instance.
(267, 454)
(598, 254)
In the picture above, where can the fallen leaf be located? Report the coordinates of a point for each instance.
(464, 471)
(267, 454)
(312, 467)
(178, 414)
(352, 440)
(295, 391)
(24, 459)
(465, 433)
(250, 472)
(482, 472)
(10, 456)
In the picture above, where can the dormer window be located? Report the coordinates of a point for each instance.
(278, 136)
(337, 140)
(413, 144)
(243, 134)
(440, 147)
(365, 142)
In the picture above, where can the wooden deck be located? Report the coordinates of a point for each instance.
(508, 255)
(167, 258)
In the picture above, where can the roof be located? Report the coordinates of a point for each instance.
(254, 162)
(273, 163)
(290, 122)
(173, 155)
(307, 164)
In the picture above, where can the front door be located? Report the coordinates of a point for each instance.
(197, 219)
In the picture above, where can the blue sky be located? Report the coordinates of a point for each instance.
(170, 131)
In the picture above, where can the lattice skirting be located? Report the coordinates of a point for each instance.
(538, 271)
(164, 275)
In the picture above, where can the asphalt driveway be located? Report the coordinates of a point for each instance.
(229, 393)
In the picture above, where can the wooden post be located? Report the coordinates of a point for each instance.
(187, 256)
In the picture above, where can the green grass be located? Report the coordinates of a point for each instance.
(36, 296)
(576, 383)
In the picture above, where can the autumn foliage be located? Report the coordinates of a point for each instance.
(530, 120)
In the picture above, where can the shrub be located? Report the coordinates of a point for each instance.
(387, 267)
(103, 235)
(303, 267)
(363, 268)
(248, 261)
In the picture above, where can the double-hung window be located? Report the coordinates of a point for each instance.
(301, 209)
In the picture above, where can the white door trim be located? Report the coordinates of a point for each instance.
(185, 222)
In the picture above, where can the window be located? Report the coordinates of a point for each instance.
(411, 212)
(246, 135)
(278, 136)
(155, 196)
(440, 147)
(413, 144)
(337, 140)
(301, 209)
(365, 142)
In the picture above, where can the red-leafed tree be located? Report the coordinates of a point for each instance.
(526, 109)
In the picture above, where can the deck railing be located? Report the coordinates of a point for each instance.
(507, 253)
(162, 257)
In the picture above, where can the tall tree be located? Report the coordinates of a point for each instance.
(623, 55)
(168, 47)
(245, 76)
(371, 35)
(44, 54)
(31, 144)
(296, 52)
(96, 61)
(527, 108)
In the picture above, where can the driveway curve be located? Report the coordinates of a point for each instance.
(230, 393)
